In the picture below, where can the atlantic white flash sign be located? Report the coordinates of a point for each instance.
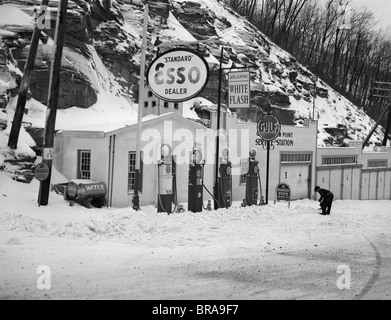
(239, 89)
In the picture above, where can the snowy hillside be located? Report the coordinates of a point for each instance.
(102, 60)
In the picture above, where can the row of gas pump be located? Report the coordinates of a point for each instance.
(167, 184)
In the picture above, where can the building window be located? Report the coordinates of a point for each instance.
(296, 157)
(338, 161)
(132, 172)
(146, 104)
(84, 164)
(150, 94)
(153, 103)
(243, 171)
(166, 104)
(176, 106)
(378, 163)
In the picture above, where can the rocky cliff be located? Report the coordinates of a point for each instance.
(102, 55)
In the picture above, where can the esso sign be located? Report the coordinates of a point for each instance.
(178, 75)
(269, 127)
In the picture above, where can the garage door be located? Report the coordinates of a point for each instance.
(347, 183)
(297, 177)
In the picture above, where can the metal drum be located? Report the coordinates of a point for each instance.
(84, 189)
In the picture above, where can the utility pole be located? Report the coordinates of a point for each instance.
(25, 84)
(54, 89)
(343, 23)
(388, 128)
(382, 91)
(314, 79)
(141, 97)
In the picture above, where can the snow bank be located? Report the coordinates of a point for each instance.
(20, 213)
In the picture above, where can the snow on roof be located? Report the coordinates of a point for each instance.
(109, 127)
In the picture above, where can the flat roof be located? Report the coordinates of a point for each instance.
(102, 129)
(108, 126)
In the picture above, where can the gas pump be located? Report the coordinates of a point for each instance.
(224, 197)
(166, 180)
(196, 181)
(253, 177)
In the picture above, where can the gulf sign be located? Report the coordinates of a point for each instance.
(178, 75)
(269, 127)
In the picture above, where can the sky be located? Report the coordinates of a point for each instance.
(381, 9)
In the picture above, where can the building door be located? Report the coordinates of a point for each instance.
(387, 185)
(347, 183)
(373, 185)
(365, 185)
(323, 178)
(336, 183)
(298, 178)
(381, 178)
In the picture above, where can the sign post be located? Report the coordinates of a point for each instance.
(177, 75)
(269, 128)
(137, 184)
(54, 92)
(216, 186)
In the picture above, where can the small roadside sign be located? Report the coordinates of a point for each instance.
(41, 172)
(47, 154)
(283, 193)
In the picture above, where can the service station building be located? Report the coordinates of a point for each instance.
(108, 156)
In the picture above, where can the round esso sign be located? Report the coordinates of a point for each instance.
(178, 75)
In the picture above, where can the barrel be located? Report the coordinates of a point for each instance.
(83, 189)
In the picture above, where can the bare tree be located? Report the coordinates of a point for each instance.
(311, 30)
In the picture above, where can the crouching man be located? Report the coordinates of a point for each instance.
(326, 200)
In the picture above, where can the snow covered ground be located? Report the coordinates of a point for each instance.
(268, 252)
